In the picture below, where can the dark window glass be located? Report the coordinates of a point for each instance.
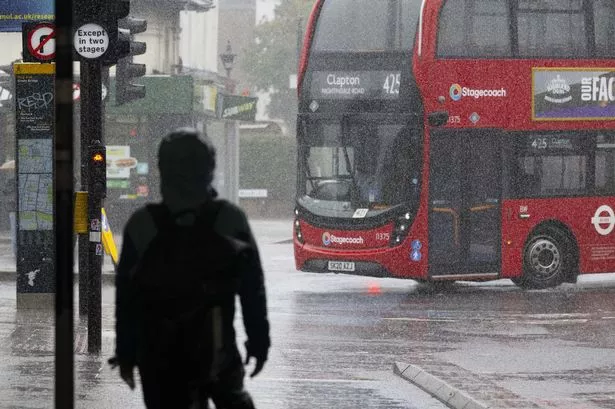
(367, 25)
(605, 164)
(377, 160)
(550, 165)
(474, 28)
(552, 28)
(604, 22)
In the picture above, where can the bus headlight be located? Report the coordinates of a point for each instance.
(400, 229)
(298, 233)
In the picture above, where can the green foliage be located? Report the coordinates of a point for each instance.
(273, 56)
(268, 162)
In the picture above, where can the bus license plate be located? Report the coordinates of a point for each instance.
(341, 266)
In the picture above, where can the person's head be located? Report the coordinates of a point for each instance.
(187, 160)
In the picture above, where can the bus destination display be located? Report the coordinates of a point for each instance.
(355, 84)
(546, 144)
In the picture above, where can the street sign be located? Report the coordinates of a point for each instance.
(252, 193)
(91, 41)
(236, 107)
(36, 209)
(39, 44)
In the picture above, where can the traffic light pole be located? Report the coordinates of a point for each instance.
(83, 240)
(91, 133)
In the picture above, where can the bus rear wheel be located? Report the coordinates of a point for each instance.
(547, 258)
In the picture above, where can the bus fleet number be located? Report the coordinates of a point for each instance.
(391, 84)
(383, 236)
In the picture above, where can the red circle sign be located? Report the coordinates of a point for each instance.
(41, 41)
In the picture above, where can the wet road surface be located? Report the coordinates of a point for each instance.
(336, 337)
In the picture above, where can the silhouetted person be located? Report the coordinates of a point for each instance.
(368, 185)
(187, 163)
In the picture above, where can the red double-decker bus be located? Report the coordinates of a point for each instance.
(457, 140)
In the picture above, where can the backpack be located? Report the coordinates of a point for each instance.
(184, 287)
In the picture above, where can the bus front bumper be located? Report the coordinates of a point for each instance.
(382, 262)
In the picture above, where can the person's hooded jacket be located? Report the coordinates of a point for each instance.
(187, 162)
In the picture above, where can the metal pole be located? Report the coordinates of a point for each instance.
(63, 227)
(91, 112)
(232, 161)
(83, 238)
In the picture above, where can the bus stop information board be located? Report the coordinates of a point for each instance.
(34, 126)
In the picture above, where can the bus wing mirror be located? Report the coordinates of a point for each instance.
(438, 118)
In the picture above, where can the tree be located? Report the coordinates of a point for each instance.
(273, 57)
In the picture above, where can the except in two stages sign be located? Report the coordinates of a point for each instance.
(91, 41)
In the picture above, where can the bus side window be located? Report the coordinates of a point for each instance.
(527, 182)
(605, 165)
(604, 19)
(470, 28)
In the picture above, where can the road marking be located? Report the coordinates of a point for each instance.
(316, 380)
(421, 319)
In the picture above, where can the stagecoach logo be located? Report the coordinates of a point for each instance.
(558, 91)
(456, 92)
(328, 238)
(605, 216)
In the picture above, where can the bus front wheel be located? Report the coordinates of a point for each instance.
(547, 258)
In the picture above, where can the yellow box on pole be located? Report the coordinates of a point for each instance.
(80, 213)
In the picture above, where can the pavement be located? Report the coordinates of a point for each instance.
(27, 350)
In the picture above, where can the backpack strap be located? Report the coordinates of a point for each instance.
(161, 216)
(208, 213)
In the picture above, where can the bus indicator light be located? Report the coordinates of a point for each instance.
(415, 255)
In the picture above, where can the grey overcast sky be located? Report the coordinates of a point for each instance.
(264, 8)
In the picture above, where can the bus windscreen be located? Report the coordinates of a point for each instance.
(367, 25)
(364, 163)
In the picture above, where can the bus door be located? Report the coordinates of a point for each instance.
(464, 203)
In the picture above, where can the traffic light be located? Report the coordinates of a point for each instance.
(97, 185)
(126, 70)
(7, 85)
